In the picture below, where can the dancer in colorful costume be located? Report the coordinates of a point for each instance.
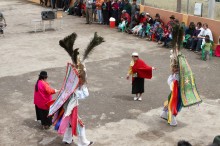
(181, 81)
(65, 109)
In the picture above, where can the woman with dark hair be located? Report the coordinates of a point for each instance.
(43, 95)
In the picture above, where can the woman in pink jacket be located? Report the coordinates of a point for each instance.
(42, 95)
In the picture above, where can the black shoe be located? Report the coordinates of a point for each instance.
(91, 143)
(87, 23)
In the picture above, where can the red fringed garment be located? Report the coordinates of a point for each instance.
(142, 69)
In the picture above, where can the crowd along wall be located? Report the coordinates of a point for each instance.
(214, 25)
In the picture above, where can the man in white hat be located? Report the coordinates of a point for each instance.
(139, 70)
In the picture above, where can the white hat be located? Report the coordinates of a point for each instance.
(134, 54)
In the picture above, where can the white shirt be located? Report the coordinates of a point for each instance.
(205, 32)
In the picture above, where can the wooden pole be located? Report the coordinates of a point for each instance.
(178, 6)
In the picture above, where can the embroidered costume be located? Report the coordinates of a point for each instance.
(139, 71)
(65, 108)
(182, 83)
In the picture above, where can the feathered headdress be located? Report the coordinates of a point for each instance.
(68, 42)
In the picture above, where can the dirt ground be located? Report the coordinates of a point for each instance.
(112, 118)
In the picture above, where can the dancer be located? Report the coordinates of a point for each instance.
(181, 81)
(65, 109)
(139, 71)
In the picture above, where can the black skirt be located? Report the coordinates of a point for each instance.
(42, 115)
(138, 85)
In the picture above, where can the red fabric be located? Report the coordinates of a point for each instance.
(43, 95)
(143, 19)
(115, 6)
(142, 69)
(50, 103)
(174, 100)
(126, 15)
(217, 51)
(74, 121)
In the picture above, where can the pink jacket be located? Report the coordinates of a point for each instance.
(43, 95)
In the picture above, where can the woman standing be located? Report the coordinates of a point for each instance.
(43, 95)
(139, 71)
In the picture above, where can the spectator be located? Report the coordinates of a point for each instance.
(201, 36)
(121, 4)
(188, 35)
(134, 21)
(94, 11)
(53, 4)
(171, 22)
(157, 19)
(115, 8)
(142, 32)
(207, 47)
(89, 11)
(126, 15)
(194, 39)
(149, 19)
(127, 7)
(123, 23)
(138, 27)
(168, 37)
(183, 143)
(99, 10)
(159, 33)
(66, 4)
(134, 8)
(105, 12)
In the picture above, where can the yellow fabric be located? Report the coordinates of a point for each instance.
(130, 68)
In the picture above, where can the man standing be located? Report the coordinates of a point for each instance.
(127, 7)
(99, 10)
(88, 11)
(134, 9)
(139, 70)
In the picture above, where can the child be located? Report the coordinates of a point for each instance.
(207, 47)
(159, 33)
(123, 23)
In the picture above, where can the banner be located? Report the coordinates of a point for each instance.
(70, 84)
(189, 93)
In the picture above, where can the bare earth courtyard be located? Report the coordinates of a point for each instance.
(111, 116)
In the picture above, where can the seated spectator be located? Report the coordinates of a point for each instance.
(188, 35)
(168, 37)
(138, 27)
(171, 22)
(135, 21)
(143, 30)
(194, 38)
(183, 143)
(123, 24)
(157, 19)
(126, 15)
(149, 19)
(201, 37)
(159, 33)
(152, 33)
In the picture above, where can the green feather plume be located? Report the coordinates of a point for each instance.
(97, 40)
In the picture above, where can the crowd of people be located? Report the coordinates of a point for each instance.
(128, 19)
